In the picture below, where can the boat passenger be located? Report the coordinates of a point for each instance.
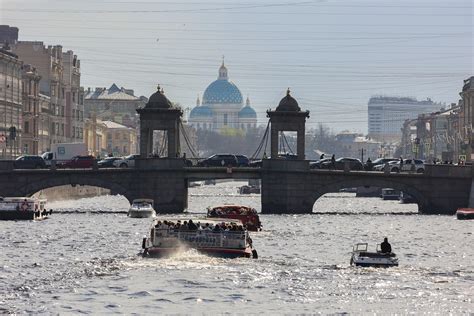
(385, 246)
(184, 226)
(217, 228)
(191, 225)
(207, 227)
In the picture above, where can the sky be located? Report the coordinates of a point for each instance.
(332, 54)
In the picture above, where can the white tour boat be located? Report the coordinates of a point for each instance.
(363, 258)
(216, 237)
(141, 208)
(23, 208)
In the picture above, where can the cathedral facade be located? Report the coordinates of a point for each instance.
(222, 107)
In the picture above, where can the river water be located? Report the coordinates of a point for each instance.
(85, 260)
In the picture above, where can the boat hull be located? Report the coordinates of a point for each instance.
(21, 215)
(140, 213)
(374, 260)
(160, 252)
(465, 213)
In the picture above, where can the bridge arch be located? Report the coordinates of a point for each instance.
(95, 181)
(336, 186)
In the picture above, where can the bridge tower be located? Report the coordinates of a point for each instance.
(283, 181)
(287, 117)
(159, 114)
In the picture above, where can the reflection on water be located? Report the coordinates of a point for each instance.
(85, 260)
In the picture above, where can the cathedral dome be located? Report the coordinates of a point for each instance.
(201, 111)
(222, 90)
(247, 111)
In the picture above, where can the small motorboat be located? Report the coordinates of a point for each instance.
(465, 213)
(363, 258)
(406, 198)
(249, 189)
(23, 208)
(390, 194)
(141, 208)
(214, 237)
(247, 215)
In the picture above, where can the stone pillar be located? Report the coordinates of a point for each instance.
(301, 144)
(274, 143)
(172, 149)
(144, 142)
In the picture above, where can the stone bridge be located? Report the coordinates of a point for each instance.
(287, 186)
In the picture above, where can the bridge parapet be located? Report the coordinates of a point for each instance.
(449, 171)
(159, 163)
(6, 165)
(285, 165)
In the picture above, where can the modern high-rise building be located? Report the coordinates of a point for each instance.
(386, 115)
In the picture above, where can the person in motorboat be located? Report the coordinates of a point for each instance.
(385, 247)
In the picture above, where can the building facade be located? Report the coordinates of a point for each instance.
(74, 97)
(95, 136)
(10, 105)
(49, 63)
(222, 107)
(121, 140)
(386, 115)
(31, 110)
(114, 104)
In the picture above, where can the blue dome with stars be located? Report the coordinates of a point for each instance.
(222, 90)
(201, 111)
(247, 112)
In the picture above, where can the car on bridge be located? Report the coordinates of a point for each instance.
(243, 160)
(286, 156)
(408, 165)
(107, 162)
(219, 160)
(317, 164)
(354, 164)
(78, 162)
(29, 162)
(380, 161)
(126, 162)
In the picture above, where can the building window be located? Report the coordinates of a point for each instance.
(27, 127)
(225, 119)
(74, 97)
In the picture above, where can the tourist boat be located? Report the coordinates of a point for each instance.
(247, 215)
(141, 208)
(390, 194)
(465, 213)
(363, 258)
(249, 189)
(215, 237)
(23, 208)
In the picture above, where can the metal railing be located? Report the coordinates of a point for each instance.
(200, 238)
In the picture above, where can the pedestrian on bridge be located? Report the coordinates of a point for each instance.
(333, 161)
(321, 157)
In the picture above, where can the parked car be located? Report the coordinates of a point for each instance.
(219, 160)
(29, 162)
(419, 165)
(380, 161)
(78, 162)
(317, 164)
(126, 162)
(107, 162)
(354, 164)
(242, 160)
(288, 156)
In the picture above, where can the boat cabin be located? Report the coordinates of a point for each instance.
(12, 208)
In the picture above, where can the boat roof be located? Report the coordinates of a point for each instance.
(143, 200)
(21, 199)
(230, 206)
(202, 220)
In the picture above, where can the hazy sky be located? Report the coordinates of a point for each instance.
(334, 54)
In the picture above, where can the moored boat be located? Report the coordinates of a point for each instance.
(217, 237)
(465, 213)
(249, 189)
(363, 258)
(247, 215)
(23, 208)
(390, 194)
(141, 208)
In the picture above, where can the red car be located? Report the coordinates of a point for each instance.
(78, 162)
